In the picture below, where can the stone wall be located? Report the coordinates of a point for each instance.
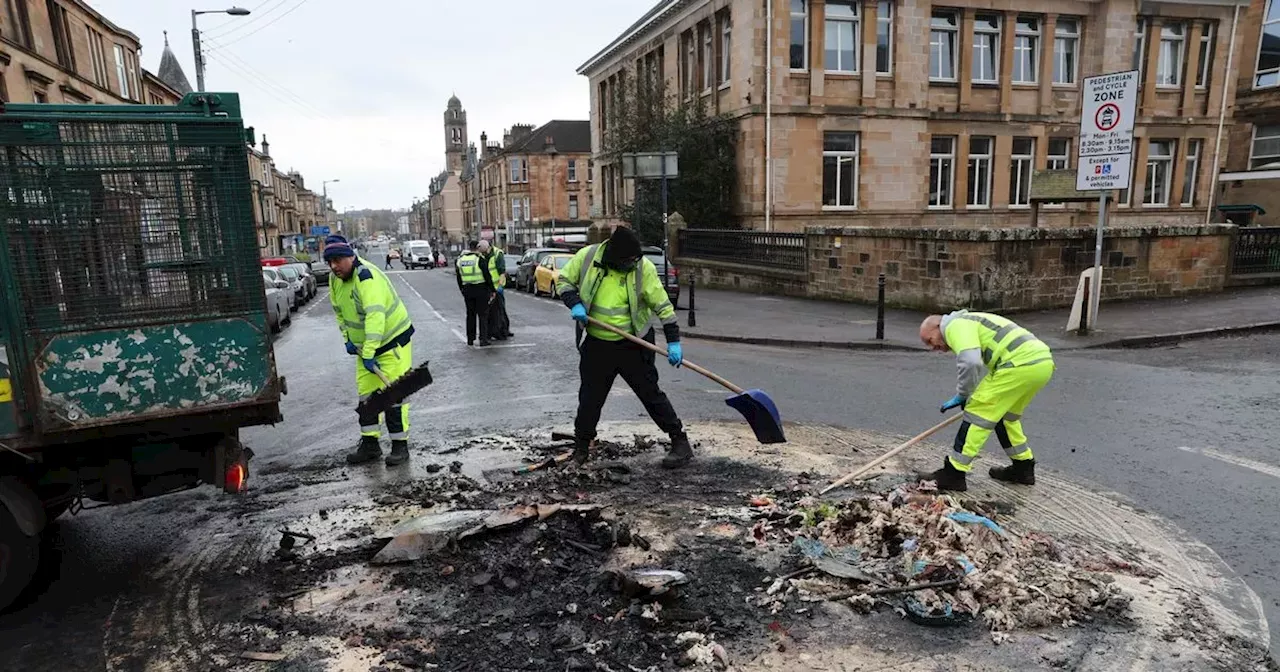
(994, 269)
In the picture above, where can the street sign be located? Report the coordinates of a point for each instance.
(319, 230)
(1104, 158)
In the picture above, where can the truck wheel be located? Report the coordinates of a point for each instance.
(19, 555)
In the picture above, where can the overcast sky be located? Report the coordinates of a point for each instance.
(356, 89)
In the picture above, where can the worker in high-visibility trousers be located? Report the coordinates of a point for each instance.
(376, 327)
(1001, 369)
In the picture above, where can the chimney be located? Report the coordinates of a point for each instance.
(266, 147)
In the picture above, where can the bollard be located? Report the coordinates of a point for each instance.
(1084, 310)
(880, 308)
(693, 316)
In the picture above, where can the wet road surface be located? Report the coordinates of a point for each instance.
(1185, 432)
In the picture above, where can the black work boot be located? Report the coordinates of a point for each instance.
(367, 451)
(680, 453)
(1022, 472)
(948, 477)
(399, 453)
(581, 450)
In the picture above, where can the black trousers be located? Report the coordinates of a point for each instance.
(601, 361)
(477, 312)
(499, 323)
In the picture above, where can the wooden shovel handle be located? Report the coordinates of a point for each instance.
(907, 444)
(659, 349)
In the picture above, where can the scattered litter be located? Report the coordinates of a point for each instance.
(425, 535)
(647, 583)
(262, 656)
(967, 517)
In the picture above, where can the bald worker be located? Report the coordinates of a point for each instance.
(1001, 369)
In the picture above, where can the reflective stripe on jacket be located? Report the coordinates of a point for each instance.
(1002, 342)
(469, 270)
(498, 268)
(368, 310)
(625, 300)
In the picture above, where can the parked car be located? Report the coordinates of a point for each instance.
(525, 267)
(296, 282)
(277, 303)
(274, 273)
(512, 267)
(304, 271)
(672, 281)
(320, 269)
(548, 273)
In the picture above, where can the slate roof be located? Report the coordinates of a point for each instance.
(171, 71)
(571, 137)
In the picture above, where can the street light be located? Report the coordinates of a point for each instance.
(324, 188)
(195, 37)
(551, 150)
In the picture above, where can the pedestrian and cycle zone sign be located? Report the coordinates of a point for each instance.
(1105, 150)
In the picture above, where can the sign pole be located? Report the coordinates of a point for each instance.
(1096, 293)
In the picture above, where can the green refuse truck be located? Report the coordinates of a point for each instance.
(134, 342)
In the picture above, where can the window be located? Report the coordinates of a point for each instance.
(4, 89)
(20, 16)
(1169, 65)
(979, 195)
(1020, 163)
(1159, 172)
(726, 44)
(38, 96)
(799, 34)
(131, 61)
(1206, 54)
(942, 158)
(842, 35)
(98, 56)
(519, 171)
(591, 170)
(1266, 147)
(573, 206)
(455, 135)
(884, 38)
(839, 170)
(1066, 41)
(1059, 154)
(572, 171)
(1267, 73)
(61, 34)
(1026, 50)
(1191, 172)
(986, 48)
(690, 63)
(1140, 50)
(708, 57)
(528, 214)
(122, 75)
(942, 46)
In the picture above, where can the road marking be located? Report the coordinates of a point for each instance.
(429, 306)
(316, 300)
(1259, 467)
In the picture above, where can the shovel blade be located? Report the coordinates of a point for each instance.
(399, 390)
(761, 413)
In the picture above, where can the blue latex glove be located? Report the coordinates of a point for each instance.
(675, 354)
(351, 349)
(952, 403)
(500, 290)
(579, 313)
(370, 365)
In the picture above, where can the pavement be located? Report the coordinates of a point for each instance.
(754, 319)
(1183, 432)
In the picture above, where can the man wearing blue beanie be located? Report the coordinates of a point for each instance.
(376, 326)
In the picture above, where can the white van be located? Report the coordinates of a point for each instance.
(417, 254)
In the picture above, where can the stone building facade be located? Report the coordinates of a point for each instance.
(1250, 186)
(534, 186)
(908, 113)
(446, 225)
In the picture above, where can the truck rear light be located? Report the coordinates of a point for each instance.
(235, 478)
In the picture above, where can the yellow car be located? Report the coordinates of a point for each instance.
(547, 273)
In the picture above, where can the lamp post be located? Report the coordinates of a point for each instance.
(651, 165)
(195, 38)
(324, 189)
(551, 150)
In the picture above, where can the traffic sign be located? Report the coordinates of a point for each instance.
(319, 230)
(1105, 149)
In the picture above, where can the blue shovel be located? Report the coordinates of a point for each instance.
(754, 405)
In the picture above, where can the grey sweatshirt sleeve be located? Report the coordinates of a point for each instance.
(971, 371)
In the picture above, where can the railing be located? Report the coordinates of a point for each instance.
(772, 250)
(1256, 251)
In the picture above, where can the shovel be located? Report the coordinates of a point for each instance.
(754, 405)
(395, 392)
(905, 445)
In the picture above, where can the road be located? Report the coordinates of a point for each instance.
(1185, 432)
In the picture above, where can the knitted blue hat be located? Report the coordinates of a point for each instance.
(337, 246)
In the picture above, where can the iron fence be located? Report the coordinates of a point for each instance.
(1256, 250)
(773, 250)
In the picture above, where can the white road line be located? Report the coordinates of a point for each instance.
(1259, 467)
(461, 337)
(316, 301)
